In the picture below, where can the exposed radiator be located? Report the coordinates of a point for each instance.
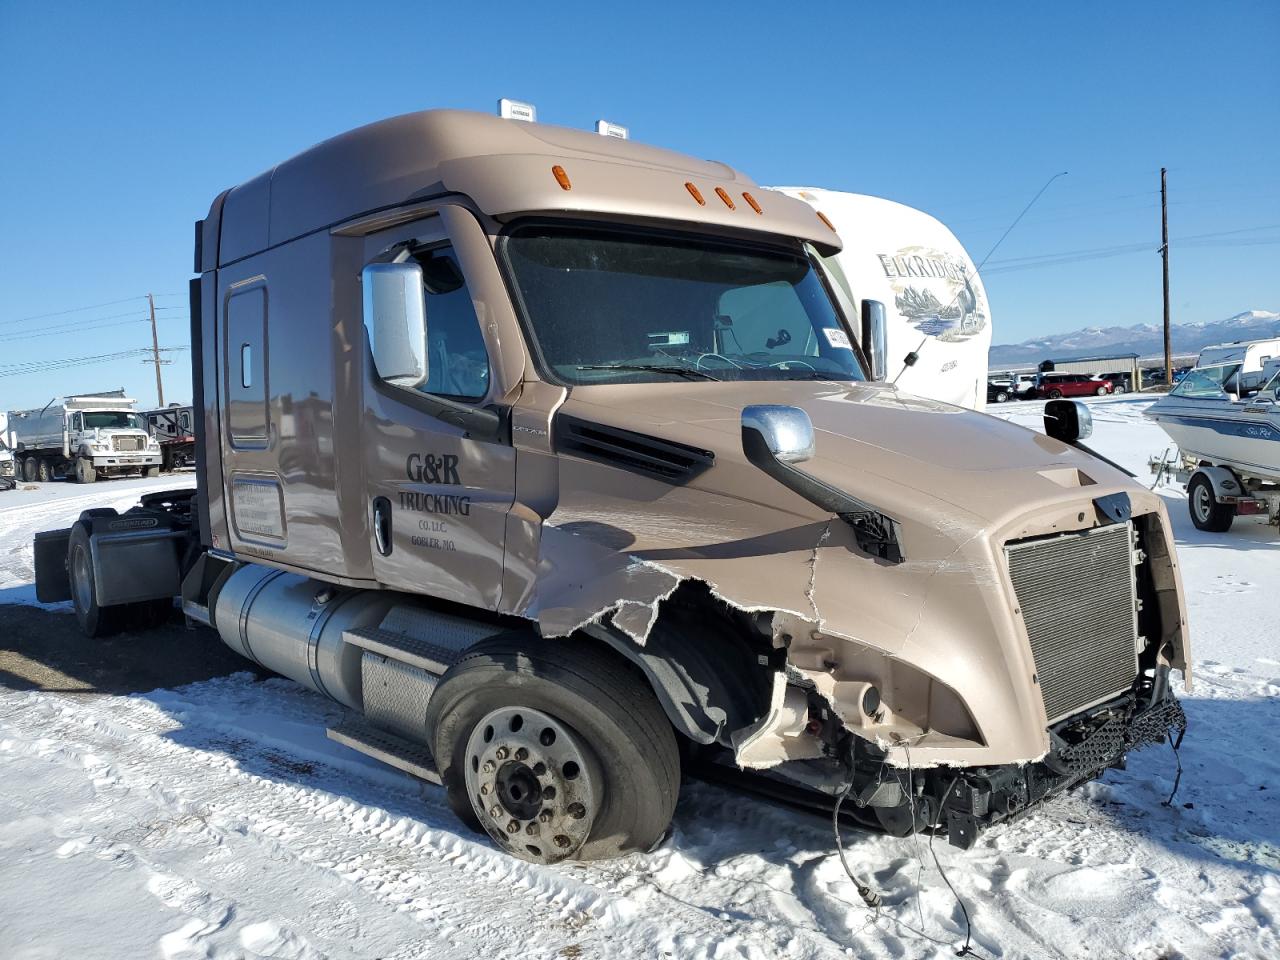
(1078, 596)
(127, 443)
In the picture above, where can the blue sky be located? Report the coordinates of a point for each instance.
(122, 121)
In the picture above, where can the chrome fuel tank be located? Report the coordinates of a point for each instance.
(293, 626)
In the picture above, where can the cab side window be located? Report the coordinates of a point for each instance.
(457, 363)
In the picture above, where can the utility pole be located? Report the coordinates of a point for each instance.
(155, 339)
(1164, 255)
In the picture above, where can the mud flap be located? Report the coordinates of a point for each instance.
(53, 584)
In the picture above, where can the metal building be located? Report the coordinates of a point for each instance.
(1120, 363)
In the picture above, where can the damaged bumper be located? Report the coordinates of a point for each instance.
(1083, 749)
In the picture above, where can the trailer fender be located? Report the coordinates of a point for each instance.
(1226, 485)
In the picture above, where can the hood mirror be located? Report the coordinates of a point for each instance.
(787, 432)
(875, 337)
(395, 315)
(1068, 420)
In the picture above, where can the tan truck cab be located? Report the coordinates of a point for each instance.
(554, 459)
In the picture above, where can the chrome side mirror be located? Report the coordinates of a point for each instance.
(1068, 420)
(786, 432)
(875, 337)
(395, 314)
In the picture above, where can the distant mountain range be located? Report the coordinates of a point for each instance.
(1144, 339)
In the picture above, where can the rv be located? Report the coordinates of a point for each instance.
(173, 429)
(939, 320)
(1250, 355)
(86, 437)
(558, 460)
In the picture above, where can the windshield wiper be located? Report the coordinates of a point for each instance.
(691, 372)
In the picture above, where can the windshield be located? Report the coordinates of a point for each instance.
(611, 307)
(112, 420)
(1208, 382)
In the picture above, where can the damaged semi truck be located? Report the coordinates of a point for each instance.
(553, 458)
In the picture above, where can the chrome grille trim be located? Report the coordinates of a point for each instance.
(1078, 596)
(126, 443)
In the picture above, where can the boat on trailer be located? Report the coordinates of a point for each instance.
(1228, 439)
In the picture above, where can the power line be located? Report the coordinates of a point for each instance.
(92, 306)
(18, 370)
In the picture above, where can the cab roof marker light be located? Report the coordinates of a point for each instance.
(695, 193)
(516, 110)
(615, 130)
(823, 217)
(751, 201)
(562, 178)
(728, 201)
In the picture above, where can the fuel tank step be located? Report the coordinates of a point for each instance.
(416, 652)
(412, 758)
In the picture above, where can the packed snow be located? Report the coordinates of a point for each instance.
(215, 820)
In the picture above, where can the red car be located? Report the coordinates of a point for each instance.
(1055, 385)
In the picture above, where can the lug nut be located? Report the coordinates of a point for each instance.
(502, 753)
(531, 829)
(562, 841)
(544, 816)
(488, 766)
(513, 826)
(495, 811)
(484, 789)
(577, 811)
(522, 754)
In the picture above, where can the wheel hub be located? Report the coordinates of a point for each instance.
(534, 783)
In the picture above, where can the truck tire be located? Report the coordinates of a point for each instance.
(151, 472)
(29, 469)
(556, 749)
(84, 472)
(1206, 512)
(95, 621)
(43, 472)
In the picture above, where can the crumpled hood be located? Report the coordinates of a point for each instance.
(868, 437)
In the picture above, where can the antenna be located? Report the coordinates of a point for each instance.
(910, 359)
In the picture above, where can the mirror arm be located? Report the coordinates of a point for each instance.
(490, 424)
(876, 533)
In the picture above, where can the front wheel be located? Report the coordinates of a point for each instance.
(84, 472)
(1101, 392)
(1055, 394)
(555, 749)
(1001, 397)
(1206, 512)
(150, 472)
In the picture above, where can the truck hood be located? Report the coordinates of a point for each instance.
(870, 438)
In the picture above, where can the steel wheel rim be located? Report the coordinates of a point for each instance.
(80, 579)
(1200, 502)
(514, 751)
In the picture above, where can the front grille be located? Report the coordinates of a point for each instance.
(126, 443)
(1078, 598)
(6, 468)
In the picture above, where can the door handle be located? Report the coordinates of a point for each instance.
(382, 525)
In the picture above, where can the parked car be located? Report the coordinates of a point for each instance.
(1055, 385)
(1120, 382)
(1000, 391)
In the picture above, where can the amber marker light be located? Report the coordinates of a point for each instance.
(728, 201)
(562, 178)
(823, 217)
(751, 201)
(696, 194)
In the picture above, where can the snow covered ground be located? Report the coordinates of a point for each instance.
(215, 820)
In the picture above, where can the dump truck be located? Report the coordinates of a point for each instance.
(556, 461)
(86, 437)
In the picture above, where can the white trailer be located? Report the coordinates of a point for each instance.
(85, 436)
(934, 300)
(1252, 355)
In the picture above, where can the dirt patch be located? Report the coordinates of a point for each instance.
(43, 650)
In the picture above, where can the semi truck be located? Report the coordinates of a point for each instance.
(558, 462)
(938, 328)
(86, 437)
(172, 429)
